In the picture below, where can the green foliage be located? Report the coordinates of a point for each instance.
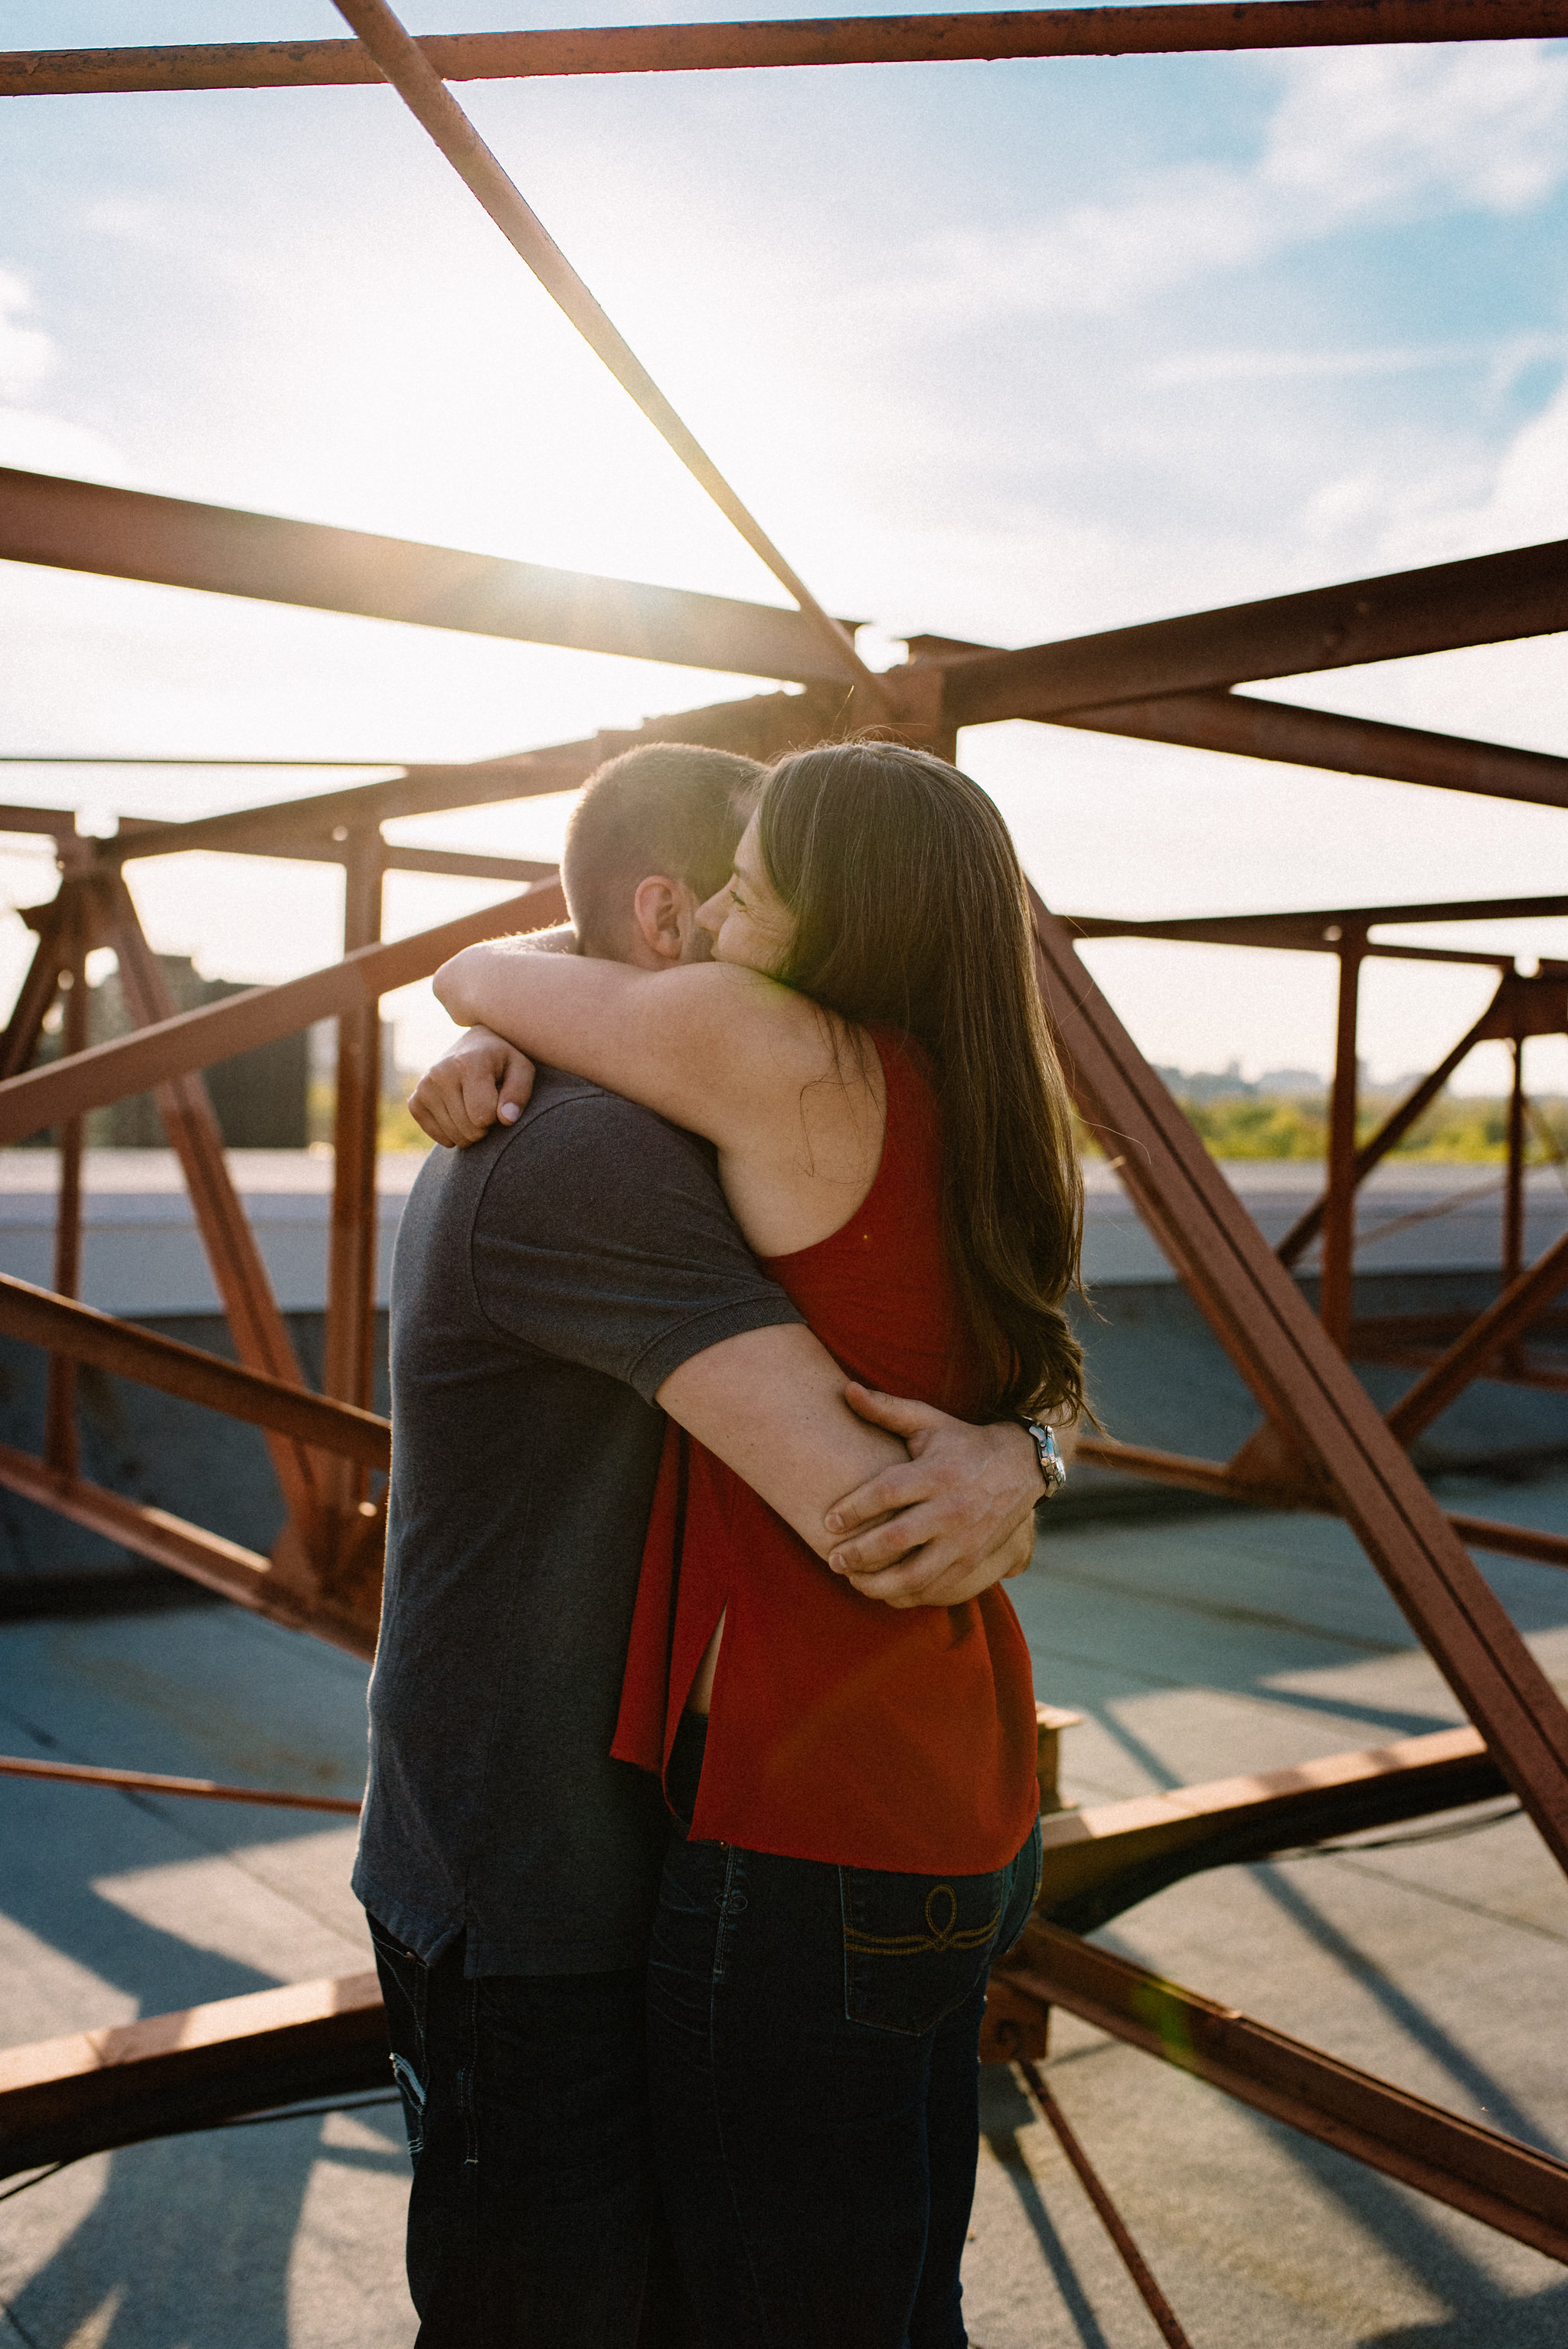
(1258, 1127)
(397, 1129)
(1460, 1130)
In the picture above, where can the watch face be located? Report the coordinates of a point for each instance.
(1051, 1465)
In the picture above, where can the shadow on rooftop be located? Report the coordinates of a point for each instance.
(1004, 2110)
(190, 2240)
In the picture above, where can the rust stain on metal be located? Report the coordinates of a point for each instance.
(1183, 25)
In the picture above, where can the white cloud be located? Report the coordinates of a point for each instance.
(1359, 136)
(49, 444)
(138, 219)
(1525, 501)
(1500, 361)
(1396, 130)
(26, 353)
(29, 437)
(1375, 517)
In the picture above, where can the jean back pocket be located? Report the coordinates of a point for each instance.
(915, 1946)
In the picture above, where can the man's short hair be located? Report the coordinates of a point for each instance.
(672, 808)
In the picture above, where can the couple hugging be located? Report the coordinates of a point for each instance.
(702, 1762)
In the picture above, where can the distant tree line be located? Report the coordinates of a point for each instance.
(1284, 1114)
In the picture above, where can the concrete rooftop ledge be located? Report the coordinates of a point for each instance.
(1416, 1215)
(142, 1255)
(142, 1252)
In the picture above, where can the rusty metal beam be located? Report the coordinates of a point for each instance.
(1186, 25)
(465, 865)
(1506, 2184)
(93, 2090)
(61, 1449)
(228, 1568)
(348, 1344)
(1486, 599)
(398, 56)
(239, 1274)
(1217, 1481)
(1165, 2318)
(1315, 931)
(1308, 1390)
(1419, 1338)
(60, 822)
(1514, 1196)
(82, 1334)
(176, 542)
(158, 758)
(225, 1567)
(1211, 1478)
(316, 822)
(1511, 1541)
(1102, 1861)
(317, 828)
(36, 997)
(1248, 728)
(1394, 1128)
(197, 1040)
(1338, 1275)
(152, 1782)
(762, 726)
(458, 863)
(1467, 1359)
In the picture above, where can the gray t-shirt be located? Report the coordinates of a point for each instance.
(546, 1282)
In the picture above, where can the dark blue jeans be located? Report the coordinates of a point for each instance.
(534, 2220)
(812, 2037)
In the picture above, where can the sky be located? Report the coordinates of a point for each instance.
(1002, 351)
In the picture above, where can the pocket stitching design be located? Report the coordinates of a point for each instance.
(935, 1937)
(866, 2000)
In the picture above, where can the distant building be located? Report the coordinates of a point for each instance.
(260, 1098)
(1204, 1086)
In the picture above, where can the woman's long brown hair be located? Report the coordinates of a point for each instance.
(910, 910)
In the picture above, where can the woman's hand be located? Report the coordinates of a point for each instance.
(462, 1094)
(953, 1521)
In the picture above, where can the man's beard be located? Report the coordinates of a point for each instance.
(697, 946)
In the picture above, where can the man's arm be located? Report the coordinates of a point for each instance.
(481, 1077)
(772, 1405)
(478, 1080)
(602, 1239)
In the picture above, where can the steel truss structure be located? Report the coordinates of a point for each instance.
(1323, 1444)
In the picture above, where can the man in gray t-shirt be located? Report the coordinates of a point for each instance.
(548, 1282)
(556, 1287)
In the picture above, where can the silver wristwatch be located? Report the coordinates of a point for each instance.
(1053, 1467)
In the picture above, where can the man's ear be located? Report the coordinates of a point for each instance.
(660, 914)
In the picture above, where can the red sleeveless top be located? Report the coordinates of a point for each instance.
(841, 1729)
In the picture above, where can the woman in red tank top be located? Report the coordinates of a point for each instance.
(855, 1783)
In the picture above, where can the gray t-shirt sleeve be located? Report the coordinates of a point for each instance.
(603, 1239)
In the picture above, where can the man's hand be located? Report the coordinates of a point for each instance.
(957, 1518)
(482, 1079)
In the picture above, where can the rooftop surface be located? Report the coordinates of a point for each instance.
(1196, 1649)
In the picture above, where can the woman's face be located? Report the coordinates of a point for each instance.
(747, 921)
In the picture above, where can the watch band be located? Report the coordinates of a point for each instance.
(1053, 1467)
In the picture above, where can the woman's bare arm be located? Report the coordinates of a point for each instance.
(714, 1047)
